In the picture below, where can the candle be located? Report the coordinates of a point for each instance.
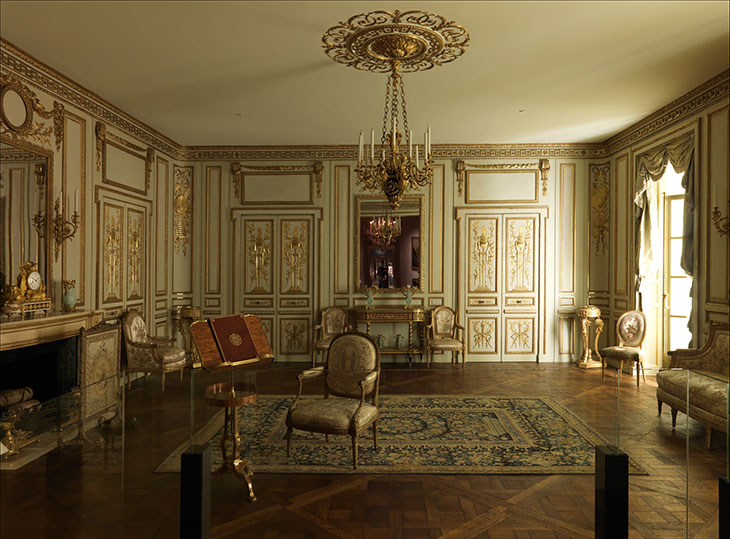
(372, 144)
(76, 200)
(429, 141)
(359, 148)
(417, 165)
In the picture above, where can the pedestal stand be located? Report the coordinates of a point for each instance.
(232, 396)
(588, 315)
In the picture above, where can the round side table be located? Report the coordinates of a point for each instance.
(232, 396)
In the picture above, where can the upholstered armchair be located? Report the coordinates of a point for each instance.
(334, 322)
(350, 404)
(445, 334)
(630, 330)
(150, 354)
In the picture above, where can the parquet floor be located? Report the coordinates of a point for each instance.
(81, 491)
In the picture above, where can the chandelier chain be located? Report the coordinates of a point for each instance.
(406, 132)
(385, 112)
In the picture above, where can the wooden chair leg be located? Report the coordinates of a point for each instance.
(638, 368)
(603, 369)
(620, 368)
(163, 382)
(375, 435)
(659, 405)
(674, 418)
(181, 375)
(354, 451)
(708, 434)
(288, 441)
(314, 356)
(643, 371)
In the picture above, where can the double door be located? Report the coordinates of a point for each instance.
(501, 275)
(274, 276)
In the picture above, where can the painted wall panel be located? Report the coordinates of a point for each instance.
(623, 210)
(717, 253)
(503, 186)
(125, 168)
(213, 220)
(277, 188)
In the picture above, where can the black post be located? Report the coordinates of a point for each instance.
(612, 493)
(723, 503)
(195, 493)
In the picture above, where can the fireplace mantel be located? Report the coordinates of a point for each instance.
(56, 326)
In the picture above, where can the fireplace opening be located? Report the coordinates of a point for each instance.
(50, 369)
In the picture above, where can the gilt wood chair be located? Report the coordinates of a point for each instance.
(445, 334)
(150, 354)
(630, 330)
(333, 322)
(350, 404)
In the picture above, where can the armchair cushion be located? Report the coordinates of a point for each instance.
(171, 355)
(446, 343)
(331, 414)
(622, 352)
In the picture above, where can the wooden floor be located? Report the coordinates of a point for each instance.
(80, 491)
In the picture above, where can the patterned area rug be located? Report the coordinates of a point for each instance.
(416, 434)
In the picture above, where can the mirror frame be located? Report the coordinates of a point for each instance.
(48, 155)
(421, 226)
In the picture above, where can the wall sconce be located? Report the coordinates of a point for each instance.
(722, 224)
(63, 229)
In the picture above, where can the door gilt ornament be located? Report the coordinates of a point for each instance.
(259, 249)
(520, 335)
(520, 252)
(599, 206)
(134, 256)
(482, 332)
(182, 208)
(294, 336)
(112, 251)
(483, 256)
(295, 255)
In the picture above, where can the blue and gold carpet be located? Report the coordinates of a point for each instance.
(420, 434)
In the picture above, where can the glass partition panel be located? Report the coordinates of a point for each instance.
(61, 472)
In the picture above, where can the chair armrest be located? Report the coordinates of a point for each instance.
(161, 340)
(369, 379)
(305, 375)
(142, 344)
(314, 332)
(685, 358)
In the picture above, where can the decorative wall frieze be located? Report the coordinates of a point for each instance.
(542, 166)
(25, 127)
(48, 80)
(316, 170)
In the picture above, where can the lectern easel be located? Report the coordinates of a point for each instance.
(230, 343)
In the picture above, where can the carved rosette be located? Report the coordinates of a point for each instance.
(182, 208)
(600, 200)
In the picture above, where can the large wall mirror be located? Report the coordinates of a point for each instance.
(388, 254)
(24, 186)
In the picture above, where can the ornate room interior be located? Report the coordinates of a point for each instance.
(559, 170)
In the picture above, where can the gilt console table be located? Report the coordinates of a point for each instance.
(395, 315)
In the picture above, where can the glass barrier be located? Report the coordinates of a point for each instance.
(61, 469)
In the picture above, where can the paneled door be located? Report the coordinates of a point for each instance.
(274, 276)
(501, 274)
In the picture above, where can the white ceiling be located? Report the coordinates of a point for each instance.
(254, 73)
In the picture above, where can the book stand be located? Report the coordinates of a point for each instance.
(230, 343)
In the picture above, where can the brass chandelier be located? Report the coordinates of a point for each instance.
(384, 230)
(394, 43)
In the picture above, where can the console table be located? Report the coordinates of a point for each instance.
(395, 315)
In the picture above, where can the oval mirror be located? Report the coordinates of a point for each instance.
(14, 110)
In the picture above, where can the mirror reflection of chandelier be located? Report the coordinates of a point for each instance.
(384, 230)
(395, 43)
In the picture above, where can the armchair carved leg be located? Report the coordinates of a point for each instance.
(288, 441)
(375, 435)
(659, 405)
(354, 451)
(674, 418)
(163, 382)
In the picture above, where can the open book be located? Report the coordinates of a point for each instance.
(230, 341)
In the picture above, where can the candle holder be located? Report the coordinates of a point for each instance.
(63, 229)
(39, 223)
(722, 224)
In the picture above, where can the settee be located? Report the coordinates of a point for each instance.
(708, 368)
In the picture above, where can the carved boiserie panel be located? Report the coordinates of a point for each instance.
(113, 221)
(482, 338)
(257, 254)
(295, 256)
(182, 208)
(136, 262)
(519, 335)
(599, 211)
(483, 248)
(520, 260)
(293, 336)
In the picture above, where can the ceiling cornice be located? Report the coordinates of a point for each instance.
(33, 71)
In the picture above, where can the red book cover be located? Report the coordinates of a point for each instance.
(241, 338)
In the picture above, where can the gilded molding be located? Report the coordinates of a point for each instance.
(100, 130)
(30, 130)
(599, 212)
(182, 208)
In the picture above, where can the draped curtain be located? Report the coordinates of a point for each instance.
(650, 167)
